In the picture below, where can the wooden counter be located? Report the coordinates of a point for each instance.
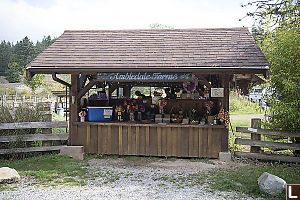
(174, 140)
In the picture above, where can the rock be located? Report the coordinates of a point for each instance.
(8, 175)
(225, 156)
(271, 184)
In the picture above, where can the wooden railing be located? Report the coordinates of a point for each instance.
(33, 137)
(256, 143)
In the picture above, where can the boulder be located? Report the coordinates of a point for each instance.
(271, 184)
(8, 175)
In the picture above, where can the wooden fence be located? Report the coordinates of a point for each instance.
(16, 100)
(49, 137)
(256, 143)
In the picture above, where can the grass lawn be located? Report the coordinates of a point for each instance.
(247, 112)
(47, 168)
(244, 179)
(55, 117)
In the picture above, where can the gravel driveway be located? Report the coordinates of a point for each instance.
(132, 179)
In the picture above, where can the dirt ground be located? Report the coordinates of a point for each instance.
(180, 165)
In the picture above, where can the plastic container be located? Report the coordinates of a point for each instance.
(60, 112)
(98, 114)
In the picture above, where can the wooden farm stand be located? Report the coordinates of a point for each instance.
(210, 57)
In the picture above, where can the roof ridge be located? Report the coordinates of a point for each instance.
(154, 30)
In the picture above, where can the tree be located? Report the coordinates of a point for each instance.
(5, 55)
(283, 53)
(41, 46)
(20, 55)
(275, 12)
(23, 52)
(14, 72)
(280, 44)
(35, 82)
(160, 26)
(259, 34)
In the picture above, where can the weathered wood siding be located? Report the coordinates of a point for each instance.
(151, 140)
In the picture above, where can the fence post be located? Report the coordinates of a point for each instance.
(47, 118)
(255, 123)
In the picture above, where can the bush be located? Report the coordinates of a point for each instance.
(14, 73)
(21, 114)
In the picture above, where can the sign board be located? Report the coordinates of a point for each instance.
(292, 191)
(146, 76)
(217, 92)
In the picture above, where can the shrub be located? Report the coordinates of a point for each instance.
(21, 114)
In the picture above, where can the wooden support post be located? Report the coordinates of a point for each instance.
(127, 91)
(255, 123)
(225, 85)
(225, 104)
(47, 118)
(74, 107)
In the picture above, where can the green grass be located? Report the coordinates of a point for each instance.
(244, 180)
(47, 168)
(241, 180)
(239, 105)
(240, 123)
(247, 112)
(55, 117)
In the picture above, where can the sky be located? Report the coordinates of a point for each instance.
(39, 18)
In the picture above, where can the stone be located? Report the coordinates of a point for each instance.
(8, 175)
(76, 152)
(271, 184)
(225, 156)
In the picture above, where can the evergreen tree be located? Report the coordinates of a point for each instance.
(14, 72)
(5, 55)
(23, 52)
(20, 55)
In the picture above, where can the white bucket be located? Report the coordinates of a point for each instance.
(60, 112)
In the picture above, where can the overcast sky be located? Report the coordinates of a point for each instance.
(38, 18)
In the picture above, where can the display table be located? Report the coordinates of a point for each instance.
(176, 140)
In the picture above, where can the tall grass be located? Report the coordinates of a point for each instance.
(239, 104)
(22, 113)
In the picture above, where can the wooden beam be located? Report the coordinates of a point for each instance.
(82, 92)
(30, 149)
(259, 156)
(147, 140)
(28, 125)
(268, 144)
(225, 85)
(34, 137)
(203, 80)
(266, 132)
(74, 107)
(126, 91)
(82, 81)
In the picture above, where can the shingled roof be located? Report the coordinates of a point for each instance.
(220, 49)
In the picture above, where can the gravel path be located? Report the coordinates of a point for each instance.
(138, 179)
